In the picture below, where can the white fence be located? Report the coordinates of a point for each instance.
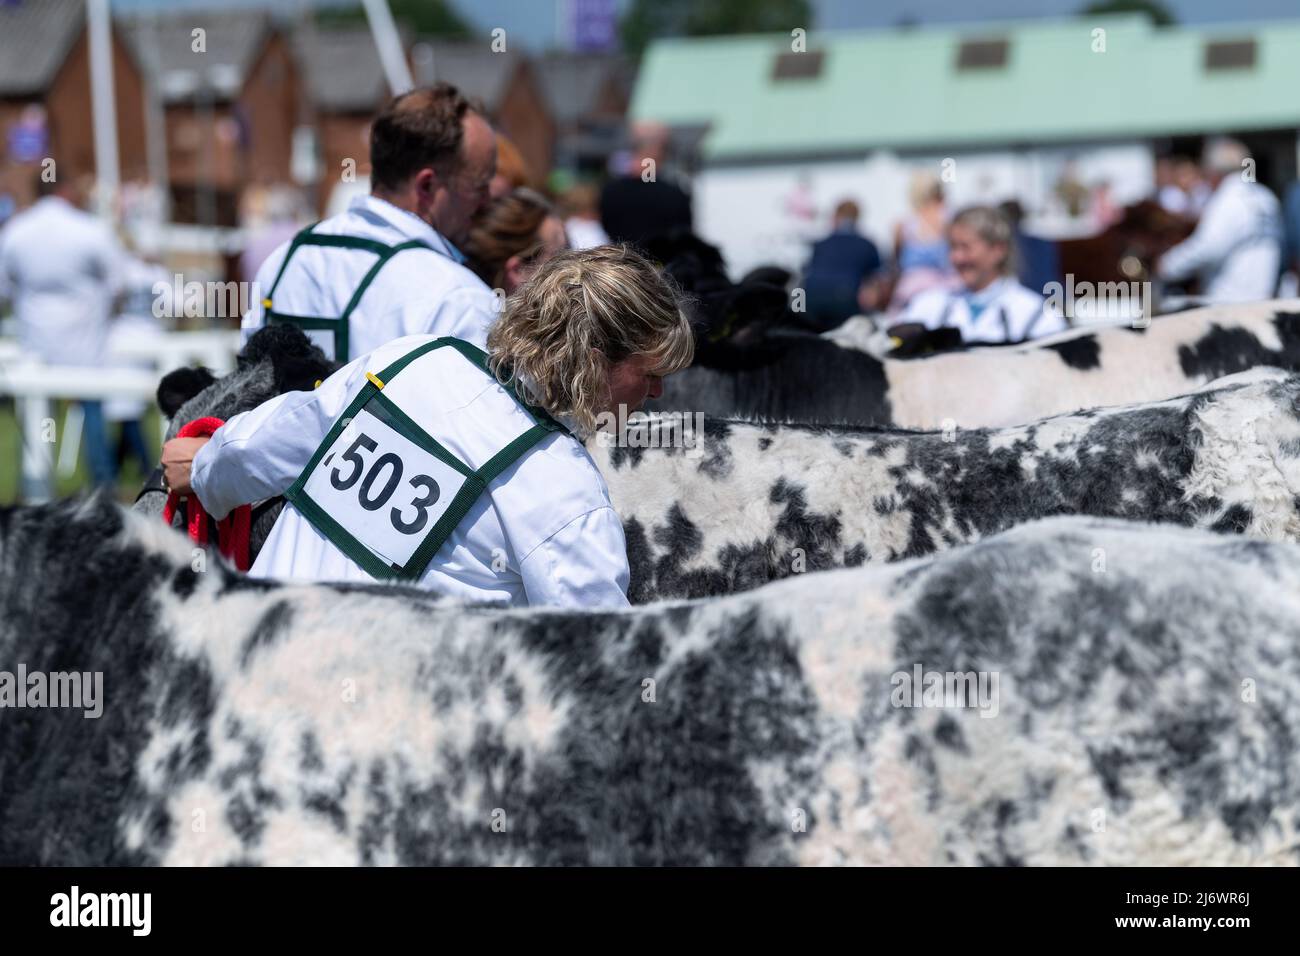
(35, 385)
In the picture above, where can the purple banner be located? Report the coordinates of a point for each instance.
(594, 24)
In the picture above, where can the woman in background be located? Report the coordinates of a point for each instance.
(512, 237)
(921, 244)
(990, 305)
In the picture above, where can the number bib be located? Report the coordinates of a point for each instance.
(383, 490)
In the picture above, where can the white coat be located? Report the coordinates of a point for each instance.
(417, 291)
(1236, 249)
(544, 532)
(61, 266)
(1003, 311)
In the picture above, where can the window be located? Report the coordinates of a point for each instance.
(982, 55)
(1230, 55)
(798, 66)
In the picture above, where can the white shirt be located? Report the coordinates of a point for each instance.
(1237, 246)
(546, 522)
(1003, 311)
(417, 291)
(61, 268)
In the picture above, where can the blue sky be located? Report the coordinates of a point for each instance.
(536, 20)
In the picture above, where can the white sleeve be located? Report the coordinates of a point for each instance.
(260, 453)
(583, 565)
(1213, 239)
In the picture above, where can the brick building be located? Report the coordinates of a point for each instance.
(45, 100)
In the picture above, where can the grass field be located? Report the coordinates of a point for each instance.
(128, 482)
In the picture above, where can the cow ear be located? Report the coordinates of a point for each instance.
(178, 387)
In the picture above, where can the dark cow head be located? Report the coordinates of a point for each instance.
(725, 311)
(276, 359)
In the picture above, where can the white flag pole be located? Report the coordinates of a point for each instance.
(389, 44)
(103, 105)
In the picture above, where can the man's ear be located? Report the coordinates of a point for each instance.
(426, 184)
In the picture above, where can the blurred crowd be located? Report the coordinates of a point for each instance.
(75, 286)
(976, 269)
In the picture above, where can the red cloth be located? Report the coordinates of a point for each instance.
(232, 530)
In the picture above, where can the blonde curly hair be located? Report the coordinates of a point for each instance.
(584, 309)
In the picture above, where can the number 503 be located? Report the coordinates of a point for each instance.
(392, 464)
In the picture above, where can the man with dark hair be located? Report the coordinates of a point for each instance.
(389, 266)
(840, 264)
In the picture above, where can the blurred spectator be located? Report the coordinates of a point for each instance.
(1182, 189)
(510, 238)
(1236, 249)
(990, 306)
(920, 246)
(840, 264)
(1102, 207)
(1038, 260)
(512, 172)
(580, 205)
(1291, 224)
(273, 216)
(1071, 191)
(1169, 194)
(62, 269)
(134, 322)
(643, 202)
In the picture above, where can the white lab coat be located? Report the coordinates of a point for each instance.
(1007, 312)
(417, 291)
(546, 522)
(1236, 249)
(61, 269)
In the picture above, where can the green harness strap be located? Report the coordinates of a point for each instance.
(339, 326)
(476, 480)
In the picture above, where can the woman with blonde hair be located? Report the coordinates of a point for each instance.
(431, 462)
(920, 242)
(512, 237)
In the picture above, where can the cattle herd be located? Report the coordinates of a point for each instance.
(1033, 604)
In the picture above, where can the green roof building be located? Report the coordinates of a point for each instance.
(851, 114)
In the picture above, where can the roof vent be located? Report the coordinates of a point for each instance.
(1230, 55)
(982, 55)
(798, 66)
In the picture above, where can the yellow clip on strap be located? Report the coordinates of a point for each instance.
(375, 379)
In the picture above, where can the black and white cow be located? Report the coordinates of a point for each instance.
(746, 503)
(743, 503)
(1076, 691)
(788, 377)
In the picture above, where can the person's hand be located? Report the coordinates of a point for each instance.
(177, 459)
